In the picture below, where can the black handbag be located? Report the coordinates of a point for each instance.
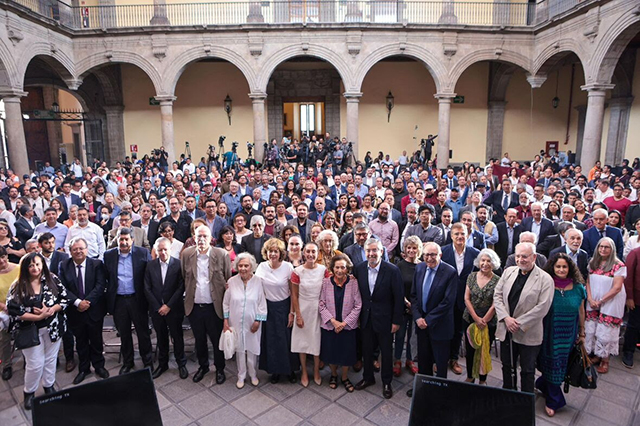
(26, 336)
(580, 371)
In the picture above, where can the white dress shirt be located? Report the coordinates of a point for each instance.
(373, 276)
(203, 292)
(92, 234)
(83, 272)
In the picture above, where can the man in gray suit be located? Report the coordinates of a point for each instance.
(139, 238)
(303, 223)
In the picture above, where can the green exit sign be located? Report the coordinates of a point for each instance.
(458, 100)
(153, 101)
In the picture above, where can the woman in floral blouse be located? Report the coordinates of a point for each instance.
(37, 296)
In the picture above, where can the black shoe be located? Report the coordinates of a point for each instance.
(28, 400)
(410, 393)
(49, 390)
(275, 378)
(220, 377)
(70, 365)
(293, 378)
(7, 373)
(627, 359)
(387, 392)
(363, 384)
(184, 373)
(200, 374)
(102, 373)
(80, 377)
(125, 369)
(159, 370)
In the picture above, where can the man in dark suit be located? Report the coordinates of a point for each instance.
(573, 239)
(191, 208)
(318, 213)
(126, 300)
(508, 236)
(541, 226)
(147, 224)
(460, 257)
(601, 229)
(163, 287)
(84, 280)
(446, 219)
(253, 243)
(475, 238)
(382, 294)
(67, 199)
(552, 242)
(25, 224)
(433, 296)
(568, 215)
(502, 200)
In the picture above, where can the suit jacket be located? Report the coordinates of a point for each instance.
(24, 232)
(139, 239)
(440, 302)
(546, 227)
(583, 259)
(549, 244)
(94, 286)
(74, 200)
(248, 245)
(579, 225)
(152, 231)
(307, 233)
(535, 301)
(632, 281)
(591, 237)
(478, 240)
(170, 291)
(57, 257)
(447, 240)
(448, 257)
(386, 305)
(314, 215)
(140, 258)
(632, 215)
(198, 213)
(494, 200)
(502, 246)
(355, 254)
(219, 274)
(351, 304)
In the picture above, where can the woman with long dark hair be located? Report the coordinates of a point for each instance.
(37, 296)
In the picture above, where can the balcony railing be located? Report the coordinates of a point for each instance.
(286, 12)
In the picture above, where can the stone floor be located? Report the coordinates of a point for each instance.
(182, 402)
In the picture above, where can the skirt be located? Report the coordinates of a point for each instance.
(275, 344)
(338, 349)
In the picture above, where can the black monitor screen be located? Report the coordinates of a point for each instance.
(438, 402)
(127, 400)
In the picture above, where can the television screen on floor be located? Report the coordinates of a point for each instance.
(438, 402)
(127, 400)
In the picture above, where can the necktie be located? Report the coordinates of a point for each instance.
(505, 202)
(80, 283)
(602, 234)
(426, 286)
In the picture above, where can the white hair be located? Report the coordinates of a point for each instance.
(323, 234)
(161, 240)
(529, 234)
(242, 256)
(493, 258)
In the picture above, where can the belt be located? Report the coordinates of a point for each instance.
(203, 305)
(127, 296)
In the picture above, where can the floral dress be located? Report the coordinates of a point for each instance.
(602, 327)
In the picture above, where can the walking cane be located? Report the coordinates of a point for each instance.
(513, 367)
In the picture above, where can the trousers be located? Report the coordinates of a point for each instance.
(246, 361)
(40, 362)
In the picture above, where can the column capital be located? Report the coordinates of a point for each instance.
(597, 88)
(258, 96)
(352, 96)
(445, 98)
(536, 81)
(73, 83)
(165, 99)
(12, 95)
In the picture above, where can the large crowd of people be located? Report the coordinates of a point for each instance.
(316, 258)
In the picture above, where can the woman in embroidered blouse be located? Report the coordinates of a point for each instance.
(479, 309)
(605, 303)
(37, 296)
(245, 307)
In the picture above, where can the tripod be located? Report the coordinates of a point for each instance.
(187, 150)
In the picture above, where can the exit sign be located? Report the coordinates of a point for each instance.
(153, 101)
(458, 100)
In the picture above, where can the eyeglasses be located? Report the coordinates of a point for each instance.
(430, 254)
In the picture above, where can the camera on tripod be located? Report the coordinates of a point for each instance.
(234, 147)
(221, 141)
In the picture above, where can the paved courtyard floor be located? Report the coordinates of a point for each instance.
(182, 402)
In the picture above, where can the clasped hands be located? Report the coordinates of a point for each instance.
(44, 312)
(512, 324)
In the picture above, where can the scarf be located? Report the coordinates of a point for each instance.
(562, 283)
(479, 340)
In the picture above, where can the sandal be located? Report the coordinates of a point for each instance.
(348, 386)
(604, 367)
(333, 382)
(397, 368)
(550, 412)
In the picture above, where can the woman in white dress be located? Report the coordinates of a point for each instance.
(606, 299)
(245, 307)
(306, 283)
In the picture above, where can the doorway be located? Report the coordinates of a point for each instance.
(303, 117)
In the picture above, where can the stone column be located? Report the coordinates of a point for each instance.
(353, 106)
(16, 141)
(76, 129)
(54, 128)
(620, 108)
(495, 129)
(444, 126)
(582, 113)
(115, 149)
(592, 140)
(259, 124)
(166, 118)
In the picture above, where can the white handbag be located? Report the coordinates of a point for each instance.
(228, 343)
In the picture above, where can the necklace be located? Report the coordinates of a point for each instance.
(561, 290)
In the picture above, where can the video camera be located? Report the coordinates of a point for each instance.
(221, 141)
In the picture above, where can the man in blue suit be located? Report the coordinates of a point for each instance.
(601, 229)
(433, 296)
(67, 199)
(541, 226)
(475, 238)
(382, 294)
(502, 200)
(459, 256)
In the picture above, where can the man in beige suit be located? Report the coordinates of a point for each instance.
(522, 298)
(139, 238)
(206, 270)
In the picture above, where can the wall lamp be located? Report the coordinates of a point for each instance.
(227, 107)
(390, 105)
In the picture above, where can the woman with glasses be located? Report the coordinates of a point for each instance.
(227, 240)
(167, 230)
(11, 244)
(347, 223)
(327, 242)
(239, 226)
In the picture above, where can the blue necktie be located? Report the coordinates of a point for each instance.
(505, 203)
(426, 286)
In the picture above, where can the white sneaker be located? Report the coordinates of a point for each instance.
(240, 384)
(255, 381)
